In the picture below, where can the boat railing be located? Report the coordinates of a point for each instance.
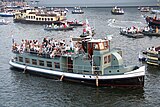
(47, 55)
(152, 52)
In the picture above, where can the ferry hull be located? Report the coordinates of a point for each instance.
(136, 81)
(115, 13)
(77, 12)
(36, 22)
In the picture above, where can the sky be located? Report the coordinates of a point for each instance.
(96, 2)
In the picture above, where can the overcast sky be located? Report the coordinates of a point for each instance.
(96, 2)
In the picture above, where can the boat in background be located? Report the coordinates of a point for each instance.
(61, 27)
(153, 21)
(151, 33)
(155, 11)
(39, 16)
(87, 61)
(145, 9)
(75, 23)
(3, 22)
(6, 14)
(87, 30)
(117, 11)
(153, 56)
(132, 32)
(77, 10)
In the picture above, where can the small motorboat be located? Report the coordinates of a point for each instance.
(145, 9)
(75, 23)
(117, 11)
(58, 27)
(3, 22)
(153, 21)
(155, 11)
(77, 10)
(6, 14)
(131, 32)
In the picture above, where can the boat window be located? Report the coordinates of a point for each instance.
(106, 44)
(49, 64)
(105, 59)
(96, 46)
(27, 60)
(101, 45)
(45, 19)
(41, 63)
(36, 18)
(48, 19)
(20, 59)
(16, 59)
(34, 61)
(56, 65)
(39, 18)
(42, 18)
(26, 16)
(29, 17)
(109, 58)
(51, 19)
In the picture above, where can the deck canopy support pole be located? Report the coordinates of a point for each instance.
(61, 78)
(25, 68)
(97, 80)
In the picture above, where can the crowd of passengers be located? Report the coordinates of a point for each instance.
(48, 47)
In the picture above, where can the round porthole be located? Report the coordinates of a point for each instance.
(117, 70)
(109, 71)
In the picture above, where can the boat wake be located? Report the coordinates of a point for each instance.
(123, 24)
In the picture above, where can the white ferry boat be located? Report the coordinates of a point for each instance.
(39, 16)
(88, 61)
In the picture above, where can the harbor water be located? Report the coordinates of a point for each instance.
(18, 89)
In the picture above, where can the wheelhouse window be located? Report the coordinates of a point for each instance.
(106, 44)
(96, 46)
(49, 64)
(34, 61)
(109, 58)
(27, 60)
(41, 63)
(15, 58)
(56, 65)
(105, 59)
(20, 59)
(99, 46)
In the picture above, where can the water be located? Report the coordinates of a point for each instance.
(92, 3)
(25, 90)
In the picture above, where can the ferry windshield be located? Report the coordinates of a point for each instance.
(101, 45)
